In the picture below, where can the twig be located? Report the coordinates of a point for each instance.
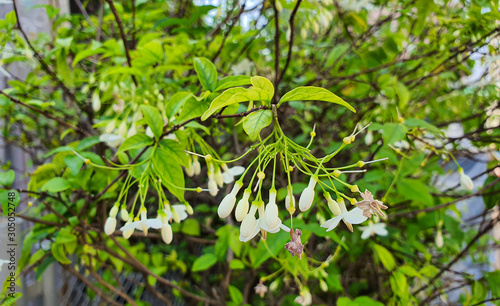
(122, 34)
(45, 113)
(291, 21)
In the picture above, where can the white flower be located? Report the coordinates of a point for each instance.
(179, 212)
(196, 165)
(111, 140)
(212, 184)
(307, 196)
(229, 173)
(271, 218)
(110, 225)
(373, 229)
(332, 204)
(218, 177)
(190, 169)
(166, 231)
(439, 239)
(243, 206)
(354, 216)
(465, 180)
(304, 299)
(289, 199)
(128, 233)
(227, 204)
(250, 226)
(143, 224)
(124, 213)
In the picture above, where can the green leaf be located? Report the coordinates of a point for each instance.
(263, 83)
(74, 163)
(403, 94)
(204, 262)
(479, 293)
(236, 95)
(86, 53)
(9, 199)
(177, 101)
(255, 122)
(175, 150)
(235, 294)
(87, 143)
(493, 279)
(236, 264)
(192, 109)
(233, 81)
(385, 257)
(170, 172)
(392, 132)
(60, 254)
(207, 73)
(413, 122)
(311, 93)
(413, 189)
(137, 141)
(56, 184)
(7, 178)
(154, 120)
(191, 227)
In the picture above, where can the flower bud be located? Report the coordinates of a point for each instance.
(110, 226)
(124, 213)
(219, 179)
(332, 204)
(127, 234)
(212, 185)
(189, 209)
(247, 226)
(354, 188)
(243, 206)
(196, 166)
(271, 212)
(307, 196)
(439, 239)
(166, 232)
(465, 180)
(227, 204)
(114, 211)
(190, 169)
(289, 199)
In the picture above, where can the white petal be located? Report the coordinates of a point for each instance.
(110, 226)
(355, 216)
(236, 170)
(254, 233)
(227, 177)
(381, 231)
(242, 207)
(131, 226)
(248, 226)
(226, 205)
(285, 228)
(272, 230)
(271, 215)
(153, 223)
(181, 210)
(366, 233)
(332, 223)
(306, 199)
(166, 233)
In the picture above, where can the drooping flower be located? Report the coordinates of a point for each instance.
(227, 204)
(212, 184)
(196, 165)
(465, 180)
(128, 233)
(166, 230)
(219, 179)
(271, 211)
(261, 289)
(332, 204)
(307, 196)
(354, 216)
(143, 224)
(295, 247)
(370, 205)
(229, 173)
(304, 299)
(124, 213)
(178, 212)
(250, 226)
(289, 199)
(110, 224)
(373, 229)
(439, 239)
(243, 206)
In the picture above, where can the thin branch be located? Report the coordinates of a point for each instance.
(276, 51)
(291, 22)
(45, 113)
(122, 34)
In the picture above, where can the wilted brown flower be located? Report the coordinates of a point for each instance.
(295, 247)
(370, 205)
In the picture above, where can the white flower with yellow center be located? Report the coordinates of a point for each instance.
(143, 224)
(354, 216)
(229, 173)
